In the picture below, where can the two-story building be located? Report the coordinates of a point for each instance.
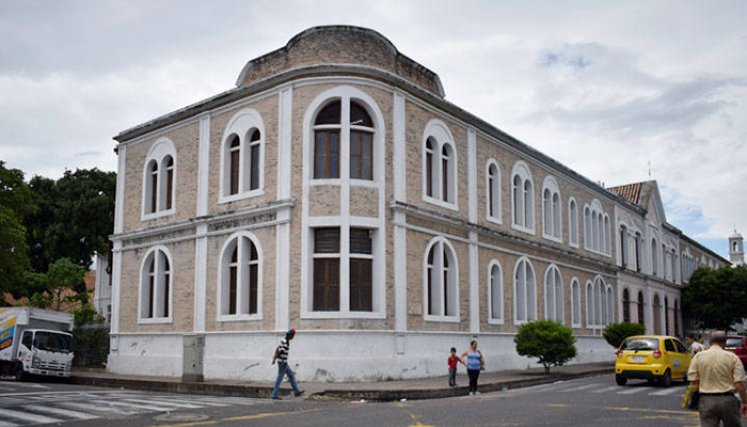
(335, 190)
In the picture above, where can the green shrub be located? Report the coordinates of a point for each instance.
(616, 333)
(549, 341)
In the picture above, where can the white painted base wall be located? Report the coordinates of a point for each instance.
(329, 356)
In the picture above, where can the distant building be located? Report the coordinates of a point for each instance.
(335, 190)
(736, 248)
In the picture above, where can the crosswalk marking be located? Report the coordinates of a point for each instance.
(667, 391)
(178, 403)
(26, 416)
(147, 408)
(7, 424)
(633, 390)
(579, 388)
(51, 410)
(607, 389)
(98, 408)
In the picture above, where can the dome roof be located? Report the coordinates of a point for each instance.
(735, 235)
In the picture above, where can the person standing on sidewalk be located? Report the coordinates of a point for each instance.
(718, 373)
(281, 355)
(452, 362)
(475, 364)
(693, 344)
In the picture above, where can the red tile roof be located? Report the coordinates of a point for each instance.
(631, 192)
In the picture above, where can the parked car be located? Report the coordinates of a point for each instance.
(652, 357)
(738, 345)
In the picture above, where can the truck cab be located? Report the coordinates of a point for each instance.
(45, 352)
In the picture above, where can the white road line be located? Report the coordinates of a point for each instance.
(152, 408)
(175, 404)
(99, 408)
(579, 388)
(668, 391)
(7, 424)
(607, 389)
(58, 393)
(25, 416)
(195, 400)
(633, 390)
(59, 411)
(30, 385)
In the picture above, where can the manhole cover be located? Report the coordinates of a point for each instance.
(182, 417)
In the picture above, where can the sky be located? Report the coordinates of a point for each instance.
(620, 92)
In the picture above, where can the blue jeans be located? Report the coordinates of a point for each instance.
(283, 370)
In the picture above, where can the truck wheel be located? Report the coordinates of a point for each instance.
(18, 374)
(621, 380)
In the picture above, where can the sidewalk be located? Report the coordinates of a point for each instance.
(427, 388)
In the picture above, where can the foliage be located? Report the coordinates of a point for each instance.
(616, 333)
(74, 218)
(549, 341)
(15, 205)
(63, 274)
(716, 298)
(91, 345)
(86, 314)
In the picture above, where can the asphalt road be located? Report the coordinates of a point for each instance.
(593, 401)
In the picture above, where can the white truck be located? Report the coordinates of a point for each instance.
(35, 341)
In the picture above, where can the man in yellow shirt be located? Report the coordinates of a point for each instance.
(718, 375)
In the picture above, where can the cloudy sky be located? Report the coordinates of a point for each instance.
(617, 91)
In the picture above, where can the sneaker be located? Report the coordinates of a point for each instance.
(472, 393)
(300, 393)
(277, 398)
(477, 392)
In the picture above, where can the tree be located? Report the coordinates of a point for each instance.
(616, 333)
(716, 299)
(74, 219)
(14, 206)
(63, 275)
(549, 341)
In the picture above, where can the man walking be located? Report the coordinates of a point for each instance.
(718, 373)
(281, 355)
(693, 344)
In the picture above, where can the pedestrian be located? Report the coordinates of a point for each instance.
(718, 373)
(281, 355)
(693, 344)
(452, 362)
(475, 363)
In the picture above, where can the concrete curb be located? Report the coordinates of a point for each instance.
(366, 392)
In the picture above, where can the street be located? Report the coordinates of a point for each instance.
(592, 401)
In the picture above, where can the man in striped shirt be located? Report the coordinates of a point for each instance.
(281, 355)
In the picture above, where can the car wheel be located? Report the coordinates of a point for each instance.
(666, 379)
(621, 380)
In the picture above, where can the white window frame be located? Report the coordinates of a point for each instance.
(158, 292)
(442, 246)
(494, 191)
(519, 198)
(596, 229)
(524, 296)
(575, 289)
(573, 222)
(242, 313)
(494, 265)
(439, 132)
(159, 151)
(242, 124)
(551, 227)
(344, 221)
(554, 288)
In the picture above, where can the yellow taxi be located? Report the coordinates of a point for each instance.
(652, 357)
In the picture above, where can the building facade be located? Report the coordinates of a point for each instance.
(336, 191)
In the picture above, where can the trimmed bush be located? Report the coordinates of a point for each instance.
(549, 341)
(616, 333)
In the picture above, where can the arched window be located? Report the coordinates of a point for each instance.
(610, 319)
(573, 222)
(155, 287)
(576, 302)
(551, 209)
(240, 278)
(493, 191)
(641, 318)
(525, 292)
(159, 179)
(441, 276)
(522, 198)
(495, 292)
(624, 246)
(590, 306)
(330, 130)
(626, 305)
(596, 229)
(554, 295)
(654, 258)
(439, 165)
(242, 156)
(657, 315)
